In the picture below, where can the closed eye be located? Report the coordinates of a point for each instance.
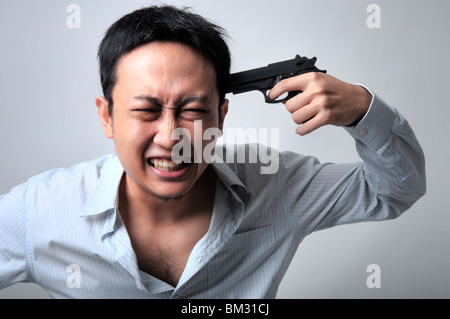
(195, 110)
(147, 114)
(193, 113)
(147, 110)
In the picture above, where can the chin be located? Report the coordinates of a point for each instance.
(168, 196)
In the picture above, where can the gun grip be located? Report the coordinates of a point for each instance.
(281, 99)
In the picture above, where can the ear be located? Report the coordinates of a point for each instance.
(105, 117)
(223, 113)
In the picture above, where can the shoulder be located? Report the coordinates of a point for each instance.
(88, 168)
(261, 159)
(258, 164)
(79, 178)
(250, 163)
(62, 187)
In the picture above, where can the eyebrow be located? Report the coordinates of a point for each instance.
(202, 98)
(149, 98)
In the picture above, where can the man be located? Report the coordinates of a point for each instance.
(141, 225)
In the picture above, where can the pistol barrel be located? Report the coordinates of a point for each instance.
(264, 78)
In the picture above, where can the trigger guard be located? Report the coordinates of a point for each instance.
(290, 95)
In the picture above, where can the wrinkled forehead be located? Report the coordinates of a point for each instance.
(165, 65)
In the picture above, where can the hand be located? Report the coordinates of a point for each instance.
(324, 100)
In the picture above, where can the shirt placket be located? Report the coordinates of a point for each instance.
(115, 238)
(227, 216)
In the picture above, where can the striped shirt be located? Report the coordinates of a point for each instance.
(62, 229)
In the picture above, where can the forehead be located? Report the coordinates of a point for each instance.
(164, 62)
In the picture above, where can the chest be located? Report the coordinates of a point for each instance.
(163, 252)
(163, 261)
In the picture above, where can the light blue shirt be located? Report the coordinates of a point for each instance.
(62, 230)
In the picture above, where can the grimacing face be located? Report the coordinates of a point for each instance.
(160, 86)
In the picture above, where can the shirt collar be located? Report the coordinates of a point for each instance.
(229, 177)
(104, 197)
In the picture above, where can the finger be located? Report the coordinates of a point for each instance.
(296, 83)
(311, 125)
(298, 101)
(304, 114)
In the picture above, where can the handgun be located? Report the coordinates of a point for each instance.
(264, 79)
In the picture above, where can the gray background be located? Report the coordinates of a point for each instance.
(48, 119)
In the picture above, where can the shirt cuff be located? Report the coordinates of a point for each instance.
(375, 127)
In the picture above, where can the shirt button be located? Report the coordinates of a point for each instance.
(140, 287)
(363, 132)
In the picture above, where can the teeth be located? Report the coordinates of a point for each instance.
(165, 164)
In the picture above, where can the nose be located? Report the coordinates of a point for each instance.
(164, 136)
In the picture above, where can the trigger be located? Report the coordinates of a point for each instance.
(279, 99)
(285, 97)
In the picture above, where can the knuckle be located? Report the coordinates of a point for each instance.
(318, 90)
(317, 78)
(324, 101)
(327, 116)
(314, 76)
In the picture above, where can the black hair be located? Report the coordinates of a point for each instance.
(163, 23)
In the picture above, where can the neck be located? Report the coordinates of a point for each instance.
(151, 208)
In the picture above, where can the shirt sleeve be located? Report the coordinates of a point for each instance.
(388, 181)
(13, 259)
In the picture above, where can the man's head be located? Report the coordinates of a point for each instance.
(167, 24)
(161, 69)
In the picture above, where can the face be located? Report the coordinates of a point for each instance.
(160, 87)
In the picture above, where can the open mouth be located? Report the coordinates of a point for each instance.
(166, 165)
